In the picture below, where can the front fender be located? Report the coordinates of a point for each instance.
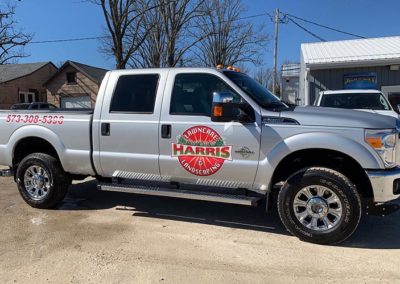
(362, 153)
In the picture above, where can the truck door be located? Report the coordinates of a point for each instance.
(130, 124)
(195, 150)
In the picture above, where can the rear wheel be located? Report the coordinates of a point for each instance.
(319, 205)
(41, 180)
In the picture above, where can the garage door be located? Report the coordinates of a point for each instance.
(76, 102)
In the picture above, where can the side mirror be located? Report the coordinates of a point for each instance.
(398, 108)
(222, 107)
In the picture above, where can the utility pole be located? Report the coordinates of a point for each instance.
(275, 80)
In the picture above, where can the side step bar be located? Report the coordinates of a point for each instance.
(6, 173)
(185, 194)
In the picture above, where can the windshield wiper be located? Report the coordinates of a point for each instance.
(274, 104)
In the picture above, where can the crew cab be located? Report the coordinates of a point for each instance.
(214, 135)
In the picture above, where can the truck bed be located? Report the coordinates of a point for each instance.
(67, 130)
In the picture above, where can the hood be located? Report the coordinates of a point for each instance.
(336, 117)
(383, 112)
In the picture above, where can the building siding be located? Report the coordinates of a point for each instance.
(58, 87)
(9, 91)
(332, 79)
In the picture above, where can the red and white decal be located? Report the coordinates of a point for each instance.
(201, 151)
(35, 119)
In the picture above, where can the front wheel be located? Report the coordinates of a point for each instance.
(41, 180)
(319, 205)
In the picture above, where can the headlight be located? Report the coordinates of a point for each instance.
(384, 143)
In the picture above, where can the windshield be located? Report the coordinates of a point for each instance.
(256, 91)
(374, 101)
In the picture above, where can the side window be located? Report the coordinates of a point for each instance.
(192, 93)
(135, 94)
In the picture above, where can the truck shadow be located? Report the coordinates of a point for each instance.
(373, 232)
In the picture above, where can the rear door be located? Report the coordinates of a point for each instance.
(130, 124)
(195, 150)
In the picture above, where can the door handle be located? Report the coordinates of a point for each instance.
(105, 129)
(166, 131)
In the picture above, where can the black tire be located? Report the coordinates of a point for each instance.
(57, 180)
(336, 183)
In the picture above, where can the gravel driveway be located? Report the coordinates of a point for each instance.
(120, 238)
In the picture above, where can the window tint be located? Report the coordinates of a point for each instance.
(135, 93)
(193, 93)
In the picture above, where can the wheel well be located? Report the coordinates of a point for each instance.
(324, 158)
(32, 145)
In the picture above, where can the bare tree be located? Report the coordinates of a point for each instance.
(229, 40)
(172, 33)
(124, 25)
(264, 76)
(178, 16)
(12, 41)
(152, 52)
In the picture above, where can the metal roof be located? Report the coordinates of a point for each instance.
(372, 50)
(10, 72)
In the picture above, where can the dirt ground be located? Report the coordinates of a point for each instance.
(103, 237)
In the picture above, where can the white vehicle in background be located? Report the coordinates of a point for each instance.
(365, 100)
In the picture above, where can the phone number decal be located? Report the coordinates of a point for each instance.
(35, 119)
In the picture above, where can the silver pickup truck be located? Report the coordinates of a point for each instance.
(213, 135)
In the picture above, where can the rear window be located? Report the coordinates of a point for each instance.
(135, 94)
(374, 101)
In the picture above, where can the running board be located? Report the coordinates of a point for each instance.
(185, 194)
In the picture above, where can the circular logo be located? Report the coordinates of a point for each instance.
(201, 151)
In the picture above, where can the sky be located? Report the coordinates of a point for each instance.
(63, 19)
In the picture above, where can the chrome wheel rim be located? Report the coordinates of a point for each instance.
(37, 182)
(317, 208)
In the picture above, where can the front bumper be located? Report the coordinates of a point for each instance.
(385, 184)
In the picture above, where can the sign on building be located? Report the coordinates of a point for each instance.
(366, 80)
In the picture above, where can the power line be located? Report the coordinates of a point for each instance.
(322, 26)
(306, 30)
(287, 17)
(103, 37)
(68, 40)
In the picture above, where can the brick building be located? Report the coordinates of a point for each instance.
(23, 83)
(75, 85)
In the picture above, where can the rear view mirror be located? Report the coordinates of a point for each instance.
(222, 107)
